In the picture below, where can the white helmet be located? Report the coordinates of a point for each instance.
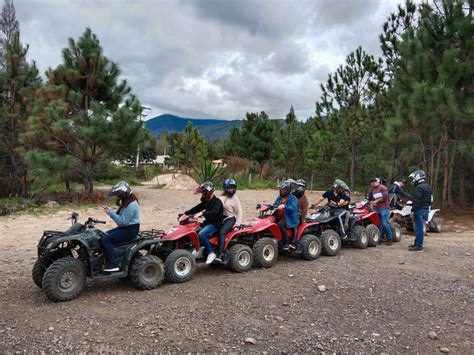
(417, 177)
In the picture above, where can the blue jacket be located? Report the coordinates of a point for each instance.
(128, 216)
(291, 210)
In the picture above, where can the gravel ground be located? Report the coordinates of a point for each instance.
(382, 299)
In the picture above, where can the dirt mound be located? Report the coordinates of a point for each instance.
(181, 182)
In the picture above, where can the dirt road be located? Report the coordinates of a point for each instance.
(382, 299)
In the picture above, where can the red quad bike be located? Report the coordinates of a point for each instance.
(363, 215)
(244, 246)
(306, 244)
(328, 223)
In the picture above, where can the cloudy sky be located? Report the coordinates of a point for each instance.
(212, 58)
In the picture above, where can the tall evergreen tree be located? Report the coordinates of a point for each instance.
(85, 111)
(8, 27)
(18, 81)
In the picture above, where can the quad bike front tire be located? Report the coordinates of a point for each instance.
(396, 232)
(265, 252)
(310, 247)
(361, 236)
(374, 234)
(240, 258)
(39, 268)
(64, 279)
(435, 225)
(180, 266)
(330, 242)
(147, 272)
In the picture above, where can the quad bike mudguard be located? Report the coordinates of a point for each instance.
(264, 224)
(184, 230)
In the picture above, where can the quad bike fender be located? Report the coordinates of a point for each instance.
(51, 243)
(431, 214)
(373, 217)
(263, 225)
(303, 227)
(183, 233)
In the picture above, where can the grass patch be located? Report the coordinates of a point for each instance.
(111, 182)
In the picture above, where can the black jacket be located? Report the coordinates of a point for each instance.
(214, 211)
(422, 196)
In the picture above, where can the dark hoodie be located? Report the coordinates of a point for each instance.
(213, 211)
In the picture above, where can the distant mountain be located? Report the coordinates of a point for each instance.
(211, 129)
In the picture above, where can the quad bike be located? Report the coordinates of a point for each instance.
(244, 246)
(364, 214)
(66, 259)
(403, 216)
(329, 221)
(304, 242)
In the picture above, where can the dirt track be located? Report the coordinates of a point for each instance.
(382, 299)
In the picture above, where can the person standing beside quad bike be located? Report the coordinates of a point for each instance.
(287, 212)
(233, 214)
(212, 210)
(338, 198)
(378, 197)
(422, 200)
(127, 218)
(395, 191)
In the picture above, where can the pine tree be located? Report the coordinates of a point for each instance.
(18, 81)
(8, 27)
(84, 111)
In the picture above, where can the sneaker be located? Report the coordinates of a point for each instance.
(197, 254)
(111, 268)
(415, 248)
(389, 242)
(210, 258)
(293, 246)
(285, 247)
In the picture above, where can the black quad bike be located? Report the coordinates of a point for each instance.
(66, 259)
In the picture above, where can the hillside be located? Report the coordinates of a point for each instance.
(211, 129)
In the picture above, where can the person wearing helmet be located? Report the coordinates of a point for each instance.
(395, 191)
(232, 212)
(303, 203)
(378, 197)
(287, 211)
(422, 200)
(212, 210)
(339, 198)
(127, 218)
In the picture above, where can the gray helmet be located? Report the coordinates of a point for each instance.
(418, 176)
(340, 186)
(285, 188)
(300, 185)
(120, 189)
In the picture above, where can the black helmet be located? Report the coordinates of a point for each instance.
(374, 179)
(285, 188)
(300, 188)
(121, 189)
(206, 187)
(340, 187)
(418, 176)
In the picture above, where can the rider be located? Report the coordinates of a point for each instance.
(303, 203)
(232, 212)
(127, 218)
(378, 196)
(338, 197)
(422, 200)
(287, 207)
(395, 191)
(211, 208)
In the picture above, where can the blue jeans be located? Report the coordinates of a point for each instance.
(204, 234)
(116, 236)
(419, 218)
(384, 224)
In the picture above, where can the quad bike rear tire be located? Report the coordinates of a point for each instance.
(435, 225)
(396, 232)
(310, 247)
(330, 242)
(39, 268)
(265, 252)
(361, 236)
(64, 279)
(180, 266)
(147, 272)
(374, 234)
(240, 258)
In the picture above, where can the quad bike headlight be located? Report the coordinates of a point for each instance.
(49, 245)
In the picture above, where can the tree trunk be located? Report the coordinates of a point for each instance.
(450, 178)
(353, 157)
(445, 174)
(462, 182)
(88, 178)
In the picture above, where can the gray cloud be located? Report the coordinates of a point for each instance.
(213, 58)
